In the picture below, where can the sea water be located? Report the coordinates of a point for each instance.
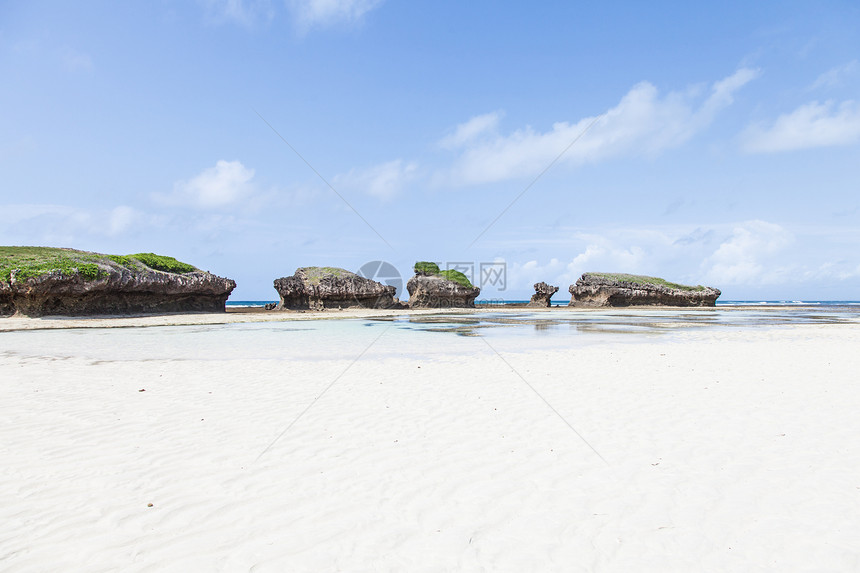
(412, 334)
(563, 303)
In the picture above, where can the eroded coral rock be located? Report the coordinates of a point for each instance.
(116, 290)
(321, 288)
(543, 294)
(432, 288)
(608, 289)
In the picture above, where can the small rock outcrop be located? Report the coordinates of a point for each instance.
(609, 289)
(543, 293)
(321, 288)
(433, 288)
(77, 283)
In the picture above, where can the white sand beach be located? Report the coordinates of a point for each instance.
(371, 446)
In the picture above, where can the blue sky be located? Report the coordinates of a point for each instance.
(713, 145)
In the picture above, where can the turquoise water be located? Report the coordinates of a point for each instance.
(261, 303)
(413, 335)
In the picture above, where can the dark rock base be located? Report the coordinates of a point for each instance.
(429, 291)
(331, 303)
(114, 304)
(621, 299)
(440, 302)
(330, 288)
(119, 291)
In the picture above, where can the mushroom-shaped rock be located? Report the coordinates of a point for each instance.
(50, 281)
(434, 288)
(321, 288)
(543, 293)
(617, 289)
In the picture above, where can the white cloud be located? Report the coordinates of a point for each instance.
(227, 183)
(323, 13)
(847, 274)
(746, 256)
(244, 12)
(120, 219)
(23, 212)
(642, 122)
(466, 132)
(835, 77)
(811, 125)
(65, 225)
(599, 253)
(745, 253)
(383, 181)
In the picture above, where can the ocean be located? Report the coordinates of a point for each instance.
(515, 331)
(262, 303)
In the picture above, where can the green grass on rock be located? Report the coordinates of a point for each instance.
(426, 267)
(457, 277)
(645, 280)
(162, 263)
(315, 274)
(449, 274)
(30, 262)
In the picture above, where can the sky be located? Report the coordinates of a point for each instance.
(709, 144)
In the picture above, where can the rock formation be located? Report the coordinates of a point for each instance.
(432, 288)
(543, 292)
(605, 289)
(7, 304)
(93, 284)
(320, 288)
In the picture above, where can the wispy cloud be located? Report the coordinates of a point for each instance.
(65, 224)
(837, 76)
(383, 181)
(324, 13)
(227, 183)
(811, 125)
(243, 12)
(472, 129)
(121, 218)
(643, 122)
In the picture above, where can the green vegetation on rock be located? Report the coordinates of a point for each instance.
(30, 262)
(449, 274)
(123, 261)
(426, 267)
(161, 263)
(457, 277)
(315, 274)
(645, 280)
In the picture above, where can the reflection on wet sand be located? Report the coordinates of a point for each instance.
(650, 322)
